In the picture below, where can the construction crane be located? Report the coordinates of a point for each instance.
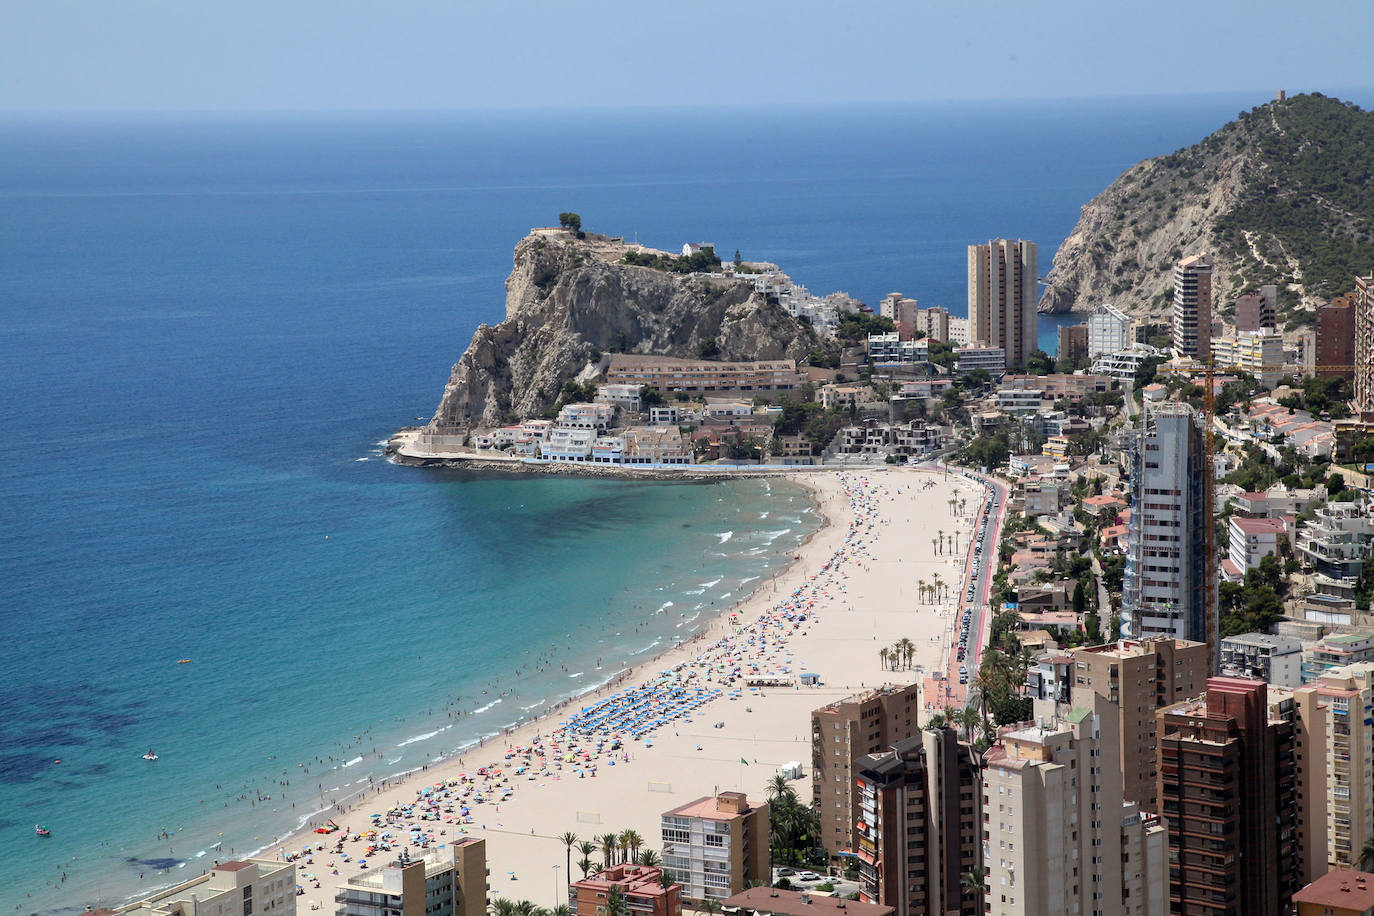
(1212, 619)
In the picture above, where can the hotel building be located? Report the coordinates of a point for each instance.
(1002, 297)
(1109, 331)
(1335, 338)
(1364, 347)
(717, 845)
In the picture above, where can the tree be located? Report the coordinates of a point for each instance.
(616, 903)
(569, 839)
(883, 656)
(609, 842)
(708, 348)
(585, 864)
(738, 261)
(648, 857)
(570, 221)
(650, 396)
(974, 881)
(1367, 856)
(1039, 363)
(633, 840)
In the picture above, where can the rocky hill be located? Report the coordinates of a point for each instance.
(570, 296)
(1284, 194)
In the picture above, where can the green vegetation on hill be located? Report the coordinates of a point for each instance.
(704, 261)
(1312, 197)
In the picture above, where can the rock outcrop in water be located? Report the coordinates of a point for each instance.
(568, 298)
(1284, 194)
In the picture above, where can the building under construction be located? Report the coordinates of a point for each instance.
(1166, 581)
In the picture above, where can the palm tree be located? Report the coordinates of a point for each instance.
(963, 505)
(648, 857)
(569, 838)
(608, 844)
(941, 533)
(525, 908)
(623, 841)
(708, 906)
(616, 904)
(908, 649)
(882, 657)
(561, 910)
(503, 907)
(934, 545)
(585, 864)
(779, 788)
(1367, 856)
(633, 840)
(938, 583)
(974, 881)
(921, 588)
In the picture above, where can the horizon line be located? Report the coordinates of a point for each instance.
(1266, 96)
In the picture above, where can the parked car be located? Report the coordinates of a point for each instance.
(808, 876)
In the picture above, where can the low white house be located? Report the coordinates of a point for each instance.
(568, 444)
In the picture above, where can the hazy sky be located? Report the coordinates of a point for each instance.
(428, 54)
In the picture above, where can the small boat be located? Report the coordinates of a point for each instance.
(150, 755)
(41, 830)
(183, 661)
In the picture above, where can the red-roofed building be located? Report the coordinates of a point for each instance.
(1339, 892)
(1251, 539)
(642, 886)
(717, 844)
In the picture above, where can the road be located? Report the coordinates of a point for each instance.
(992, 513)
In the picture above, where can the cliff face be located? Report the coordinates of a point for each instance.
(567, 297)
(1281, 195)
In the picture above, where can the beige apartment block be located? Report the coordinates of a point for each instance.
(1057, 837)
(1139, 677)
(1334, 745)
(256, 886)
(1003, 296)
(451, 882)
(717, 845)
(841, 733)
(1193, 307)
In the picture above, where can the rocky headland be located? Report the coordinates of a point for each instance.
(1284, 194)
(570, 299)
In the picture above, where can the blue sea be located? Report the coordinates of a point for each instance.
(210, 323)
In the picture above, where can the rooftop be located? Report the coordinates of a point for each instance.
(1340, 888)
(1259, 525)
(724, 807)
(802, 903)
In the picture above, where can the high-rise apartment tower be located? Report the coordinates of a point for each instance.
(1002, 297)
(1193, 307)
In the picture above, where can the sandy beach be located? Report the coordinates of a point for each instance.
(852, 590)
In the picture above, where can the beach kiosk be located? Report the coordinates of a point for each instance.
(810, 679)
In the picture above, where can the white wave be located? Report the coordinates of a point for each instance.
(748, 580)
(771, 536)
(725, 535)
(713, 583)
(535, 704)
(425, 736)
(762, 516)
(359, 459)
(726, 595)
(382, 443)
(663, 607)
(578, 674)
(201, 853)
(394, 760)
(694, 591)
(353, 761)
(481, 709)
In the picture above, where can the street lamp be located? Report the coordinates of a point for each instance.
(556, 869)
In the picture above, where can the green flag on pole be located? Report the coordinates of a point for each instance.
(743, 761)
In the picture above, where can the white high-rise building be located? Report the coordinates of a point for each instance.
(1109, 331)
(1166, 566)
(1057, 836)
(1002, 299)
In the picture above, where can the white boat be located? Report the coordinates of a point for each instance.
(150, 755)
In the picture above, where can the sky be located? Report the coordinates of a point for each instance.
(299, 55)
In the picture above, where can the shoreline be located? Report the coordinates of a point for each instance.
(866, 566)
(706, 630)
(713, 629)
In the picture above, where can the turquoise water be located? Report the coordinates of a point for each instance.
(208, 324)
